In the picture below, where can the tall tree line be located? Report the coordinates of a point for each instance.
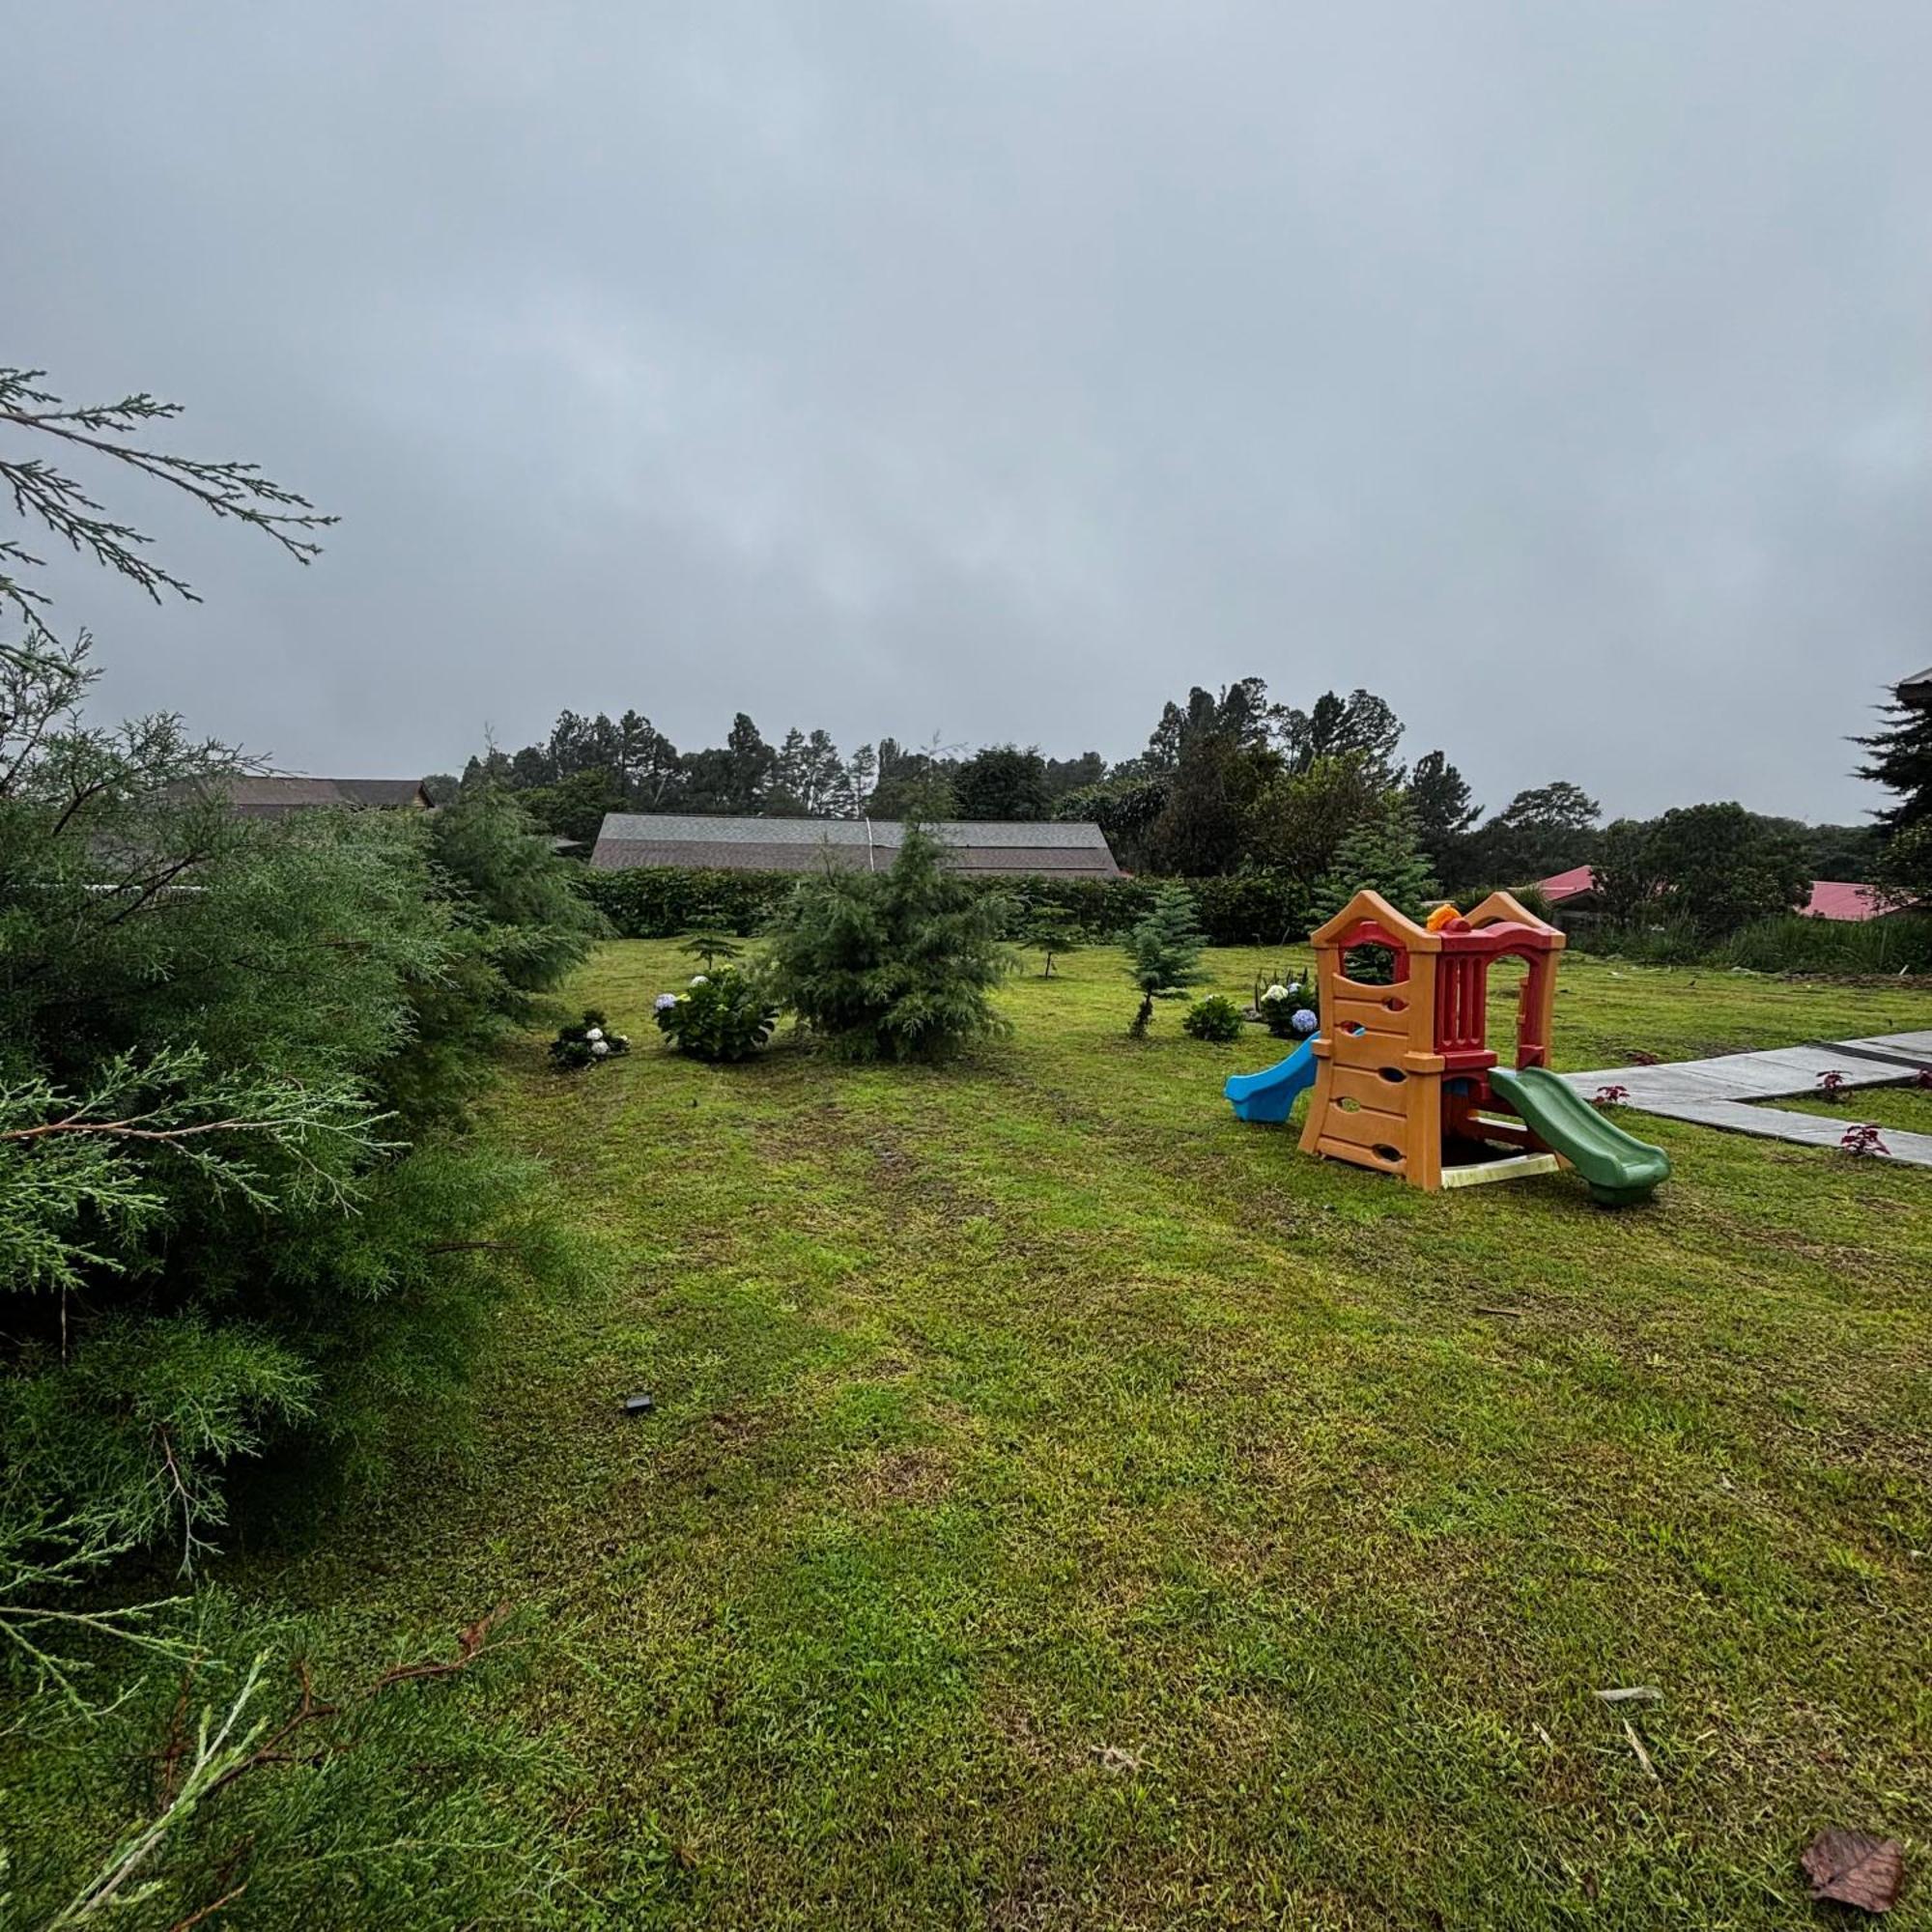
(1230, 781)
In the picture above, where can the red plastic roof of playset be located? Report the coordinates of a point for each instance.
(1831, 898)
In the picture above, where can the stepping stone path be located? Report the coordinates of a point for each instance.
(1720, 1092)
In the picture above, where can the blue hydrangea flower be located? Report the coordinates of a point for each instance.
(1303, 1021)
(664, 1002)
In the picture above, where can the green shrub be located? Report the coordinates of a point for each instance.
(721, 1015)
(1216, 1017)
(664, 901)
(893, 965)
(308, 1234)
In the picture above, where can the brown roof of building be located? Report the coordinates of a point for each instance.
(272, 797)
(1006, 848)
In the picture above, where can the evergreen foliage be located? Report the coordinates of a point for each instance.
(237, 1055)
(1003, 782)
(708, 943)
(893, 965)
(1164, 951)
(240, 1211)
(216, 1772)
(1382, 854)
(1049, 930)
(1901, 762)
(1445, 810)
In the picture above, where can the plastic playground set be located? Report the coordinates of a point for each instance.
(1403, 1078)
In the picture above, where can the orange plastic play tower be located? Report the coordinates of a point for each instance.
(1401, 1069)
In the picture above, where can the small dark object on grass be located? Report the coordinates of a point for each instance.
(1830, 1083)
(1924, 1078)
(1864, 1139)
(1638, 1057)
(638, 1405)
(1855, 1868)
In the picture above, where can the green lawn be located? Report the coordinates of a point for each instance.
(1907, 1107)
(1068, 1507)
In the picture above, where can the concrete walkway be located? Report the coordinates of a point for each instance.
(1720, 1092)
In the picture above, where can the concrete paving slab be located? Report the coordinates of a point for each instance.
(1779, 1123)
(1719, 1092)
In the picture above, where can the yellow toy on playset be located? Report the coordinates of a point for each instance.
(1405, 1081)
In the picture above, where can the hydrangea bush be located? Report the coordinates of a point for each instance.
(721, 1015)
(1288, 1004)
(586, 1042)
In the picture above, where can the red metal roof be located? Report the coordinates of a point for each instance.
(1567, 885)
(1831, 898)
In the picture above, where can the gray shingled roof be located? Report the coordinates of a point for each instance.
(802, 845)
(267, 797)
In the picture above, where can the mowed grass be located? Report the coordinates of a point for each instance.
(1068, 1507)
(1908, 1107)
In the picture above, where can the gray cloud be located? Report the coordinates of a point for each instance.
(996, 370)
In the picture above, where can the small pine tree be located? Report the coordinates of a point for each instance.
(1164, 951)
(1901, 761)
(1384, 855)
(710, 942)
(893, 965)
(1050, 932)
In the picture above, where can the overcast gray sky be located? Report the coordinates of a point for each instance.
(996, 369)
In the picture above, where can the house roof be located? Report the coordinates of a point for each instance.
(1837, 898)
(1915, 688)
(1829, 898)
(260, 797)
(1567, 885)
(1014, 847)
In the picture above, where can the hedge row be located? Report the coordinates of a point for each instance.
(659, 901)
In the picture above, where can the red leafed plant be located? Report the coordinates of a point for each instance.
(1830, 1083)
(1611, 1096)
(1924, 1077)
(1864, 1139)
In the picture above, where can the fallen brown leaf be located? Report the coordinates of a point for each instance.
(1855, 1868)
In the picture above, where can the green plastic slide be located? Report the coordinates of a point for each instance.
(1619, 1166)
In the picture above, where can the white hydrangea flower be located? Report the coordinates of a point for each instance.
(595, 1033)
(698, 979)
(1278, 991)
(600, 1046)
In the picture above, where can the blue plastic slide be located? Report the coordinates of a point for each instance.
(1269, 1096)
